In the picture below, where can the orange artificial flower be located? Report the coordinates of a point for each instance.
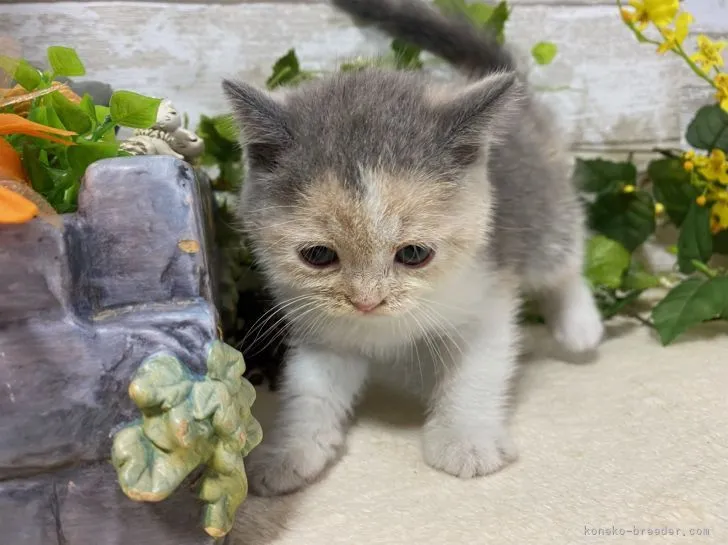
(14, 124)
(14, 208)
(18, 202)
(11, 167)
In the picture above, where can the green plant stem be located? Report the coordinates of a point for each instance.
(643, 321)
(640, 37)
(703, 268)
(102, 129)
(694, 67)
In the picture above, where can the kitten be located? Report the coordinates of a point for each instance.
(397, 221)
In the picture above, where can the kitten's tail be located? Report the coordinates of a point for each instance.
(417, 23)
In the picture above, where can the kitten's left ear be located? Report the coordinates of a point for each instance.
(479, 113)
(263, 122)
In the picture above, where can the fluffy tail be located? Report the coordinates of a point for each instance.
(415, 22)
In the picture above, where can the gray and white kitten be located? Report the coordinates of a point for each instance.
(398, 221)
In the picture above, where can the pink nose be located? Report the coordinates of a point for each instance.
(366, 306)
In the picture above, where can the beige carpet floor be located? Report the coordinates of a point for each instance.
(610, 451)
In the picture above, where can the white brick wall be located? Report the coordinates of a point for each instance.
(611, 94)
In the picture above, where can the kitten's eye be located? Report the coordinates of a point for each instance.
(414, 256)
(319, 256)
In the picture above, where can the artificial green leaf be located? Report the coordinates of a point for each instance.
(640, 280)
(544, 52)
(690, 303)
(102, 112)
(695, 241)
(226, 127)
(87, 105)
(8, 64)
(218, 149)
(628, 218)
(606, 261)
(285, 70)
(406, 56)
(28, 78)
(479, 13)
(62, 180)
(37, 171)
(86, 153)
(73, 116)
(599, 176)
(46, 115)
(64, 61)
(106, 129)
(133, 110)
(70, 198)
(709, 129)
(672, 187)
(497, 21)
(451, 6)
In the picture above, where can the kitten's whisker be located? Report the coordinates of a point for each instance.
(270, 313)
(282, 331)
(440, 330)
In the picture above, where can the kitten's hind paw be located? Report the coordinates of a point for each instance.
(453, 452)
(573, 317)
(579, 329)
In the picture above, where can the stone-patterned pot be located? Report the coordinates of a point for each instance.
(128, 279)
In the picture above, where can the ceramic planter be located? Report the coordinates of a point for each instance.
(123, 295)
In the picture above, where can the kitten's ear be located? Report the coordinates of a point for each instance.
(263, 123)
(480, 113)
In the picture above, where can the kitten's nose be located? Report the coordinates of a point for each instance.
(365, 305)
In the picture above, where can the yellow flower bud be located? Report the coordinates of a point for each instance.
(628, 16)
(628, 189)
(689, 166)
(701, 200)
(659, 208)
(688, 155)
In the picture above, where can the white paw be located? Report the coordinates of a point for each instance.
(573, 317)
(467, 456)
(276, 468)
(579, 328)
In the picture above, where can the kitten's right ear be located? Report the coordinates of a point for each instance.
(263, 123)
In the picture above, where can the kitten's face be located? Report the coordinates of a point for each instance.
(367, 194)
(371, 254)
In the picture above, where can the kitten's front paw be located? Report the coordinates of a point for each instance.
(466, 456)
(274, 470)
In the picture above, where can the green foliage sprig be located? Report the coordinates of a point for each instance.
(55, 170)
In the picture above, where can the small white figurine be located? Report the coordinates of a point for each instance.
(165, 137)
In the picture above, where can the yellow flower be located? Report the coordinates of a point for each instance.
(716, 168)
(701, 200)
(674, 38)
(659, 12)
(721, 82)
(628, 189)
(719, 217)
(709, 53)
(689, 166)
(659, 208)
(627, 15)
